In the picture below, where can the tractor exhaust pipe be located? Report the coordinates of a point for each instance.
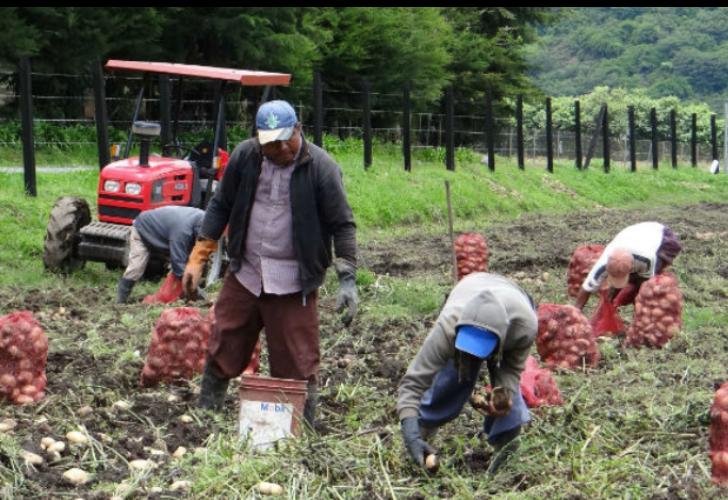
(146, 132)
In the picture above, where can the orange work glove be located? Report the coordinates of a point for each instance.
(195, 264)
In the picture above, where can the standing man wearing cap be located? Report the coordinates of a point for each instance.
(486, 319)
(636, 254)
(284, 202)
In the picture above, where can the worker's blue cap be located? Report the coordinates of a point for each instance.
(475, 340)
(275, 121)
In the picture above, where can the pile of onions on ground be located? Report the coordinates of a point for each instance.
(718, 439)
(657, 312)
(178, 348)
(471, 254)
(582, 260)
(23, 357)
(538, 386)
(565, 337)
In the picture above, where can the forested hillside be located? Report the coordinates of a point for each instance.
(668, 51)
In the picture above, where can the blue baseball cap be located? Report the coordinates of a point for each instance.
(476, 341)
(275, 121)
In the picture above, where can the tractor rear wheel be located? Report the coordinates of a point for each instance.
(68, 216)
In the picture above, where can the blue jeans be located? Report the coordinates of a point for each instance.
(445, 398)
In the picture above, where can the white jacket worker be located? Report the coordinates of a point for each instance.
(636, 254)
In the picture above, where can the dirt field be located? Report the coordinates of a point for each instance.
(97, 352)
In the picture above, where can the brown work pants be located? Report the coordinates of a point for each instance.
(291, 332)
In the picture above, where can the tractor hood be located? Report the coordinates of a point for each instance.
(126, 188)
(129, 168)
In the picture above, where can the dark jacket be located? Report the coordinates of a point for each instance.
(320, 210)
(171, 230)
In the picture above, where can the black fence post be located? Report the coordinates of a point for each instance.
(713, 137)
(673, 137)
(26, 112)
(490, 129)
(653, 126)
(406, 129)
(577, 133)
(694, 140)
(549, 138)
(367, 126)
(519, 131)
(632, 140)
(450, 129)
(597, 131)
(605, 138)
(165, 113)
(318, 109)
(102, 120)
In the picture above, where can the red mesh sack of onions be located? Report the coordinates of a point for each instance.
(718, 439)
(582, 260)
(565, 337)
(23, 356)
(178, 348)
(657, 312)
(254, 363)
(538, 386)
(471, 254)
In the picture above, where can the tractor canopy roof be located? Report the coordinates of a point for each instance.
(241, 76)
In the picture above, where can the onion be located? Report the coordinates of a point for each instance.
(7, 380)
(23, 399)
(30, 390)
(721, 398)
(25, 377)
(273, 489)
(76, 476)
(76, 437)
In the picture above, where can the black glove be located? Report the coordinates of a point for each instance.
(347, 298)
(418, 448)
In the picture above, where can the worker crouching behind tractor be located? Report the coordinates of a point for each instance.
(487, 319)
(171, 230)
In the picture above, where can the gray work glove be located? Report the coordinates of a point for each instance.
(417, 447)
(346, 298)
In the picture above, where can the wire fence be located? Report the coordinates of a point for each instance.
(67, 101)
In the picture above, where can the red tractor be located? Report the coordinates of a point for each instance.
(132, 184)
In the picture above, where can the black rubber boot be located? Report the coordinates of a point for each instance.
(504, 446)
(212, 389)
(123, 290)
(309, 409)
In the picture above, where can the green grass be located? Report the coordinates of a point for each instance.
(386, 199)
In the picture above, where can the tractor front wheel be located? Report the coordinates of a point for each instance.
(68, 216)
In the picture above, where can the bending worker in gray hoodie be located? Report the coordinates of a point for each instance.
(485, 318)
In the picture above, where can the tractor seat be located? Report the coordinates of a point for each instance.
(201, 158)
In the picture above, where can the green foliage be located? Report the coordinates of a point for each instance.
(618, 100)
(667, 51)
(390, 47)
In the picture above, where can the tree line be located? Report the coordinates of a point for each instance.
(475, 48)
